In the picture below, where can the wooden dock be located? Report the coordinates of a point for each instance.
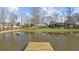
(39, 46)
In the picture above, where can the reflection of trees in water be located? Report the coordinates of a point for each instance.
(12, 36)
(56, 40)
(6, 36)
(17, 41)
(63, 41)
(32, 35)
(73, 41)
(2, 37)
(14, 41)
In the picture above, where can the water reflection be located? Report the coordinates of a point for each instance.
(13, 41)
(63, 41)
(19, 40)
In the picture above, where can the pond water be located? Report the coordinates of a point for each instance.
(60, 42)
(14, 41)
(19, 40)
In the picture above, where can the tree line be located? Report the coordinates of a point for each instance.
(52, 17)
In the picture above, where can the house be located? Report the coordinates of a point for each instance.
(42, 24)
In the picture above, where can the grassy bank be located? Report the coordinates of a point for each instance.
(55, 30)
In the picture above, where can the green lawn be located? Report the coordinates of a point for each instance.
(55, 30)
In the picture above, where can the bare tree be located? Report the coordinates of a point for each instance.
(2, 18)
(23, 18)
(13, 18)
(55, 16)
(35, 16)
(69, 13)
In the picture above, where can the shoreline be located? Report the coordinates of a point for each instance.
(46, 30)
(8, 31)
(50, 30)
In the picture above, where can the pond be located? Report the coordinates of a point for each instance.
(17, 41)
(59, 41)
(14, 41)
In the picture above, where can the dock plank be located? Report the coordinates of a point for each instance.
(39, 46)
